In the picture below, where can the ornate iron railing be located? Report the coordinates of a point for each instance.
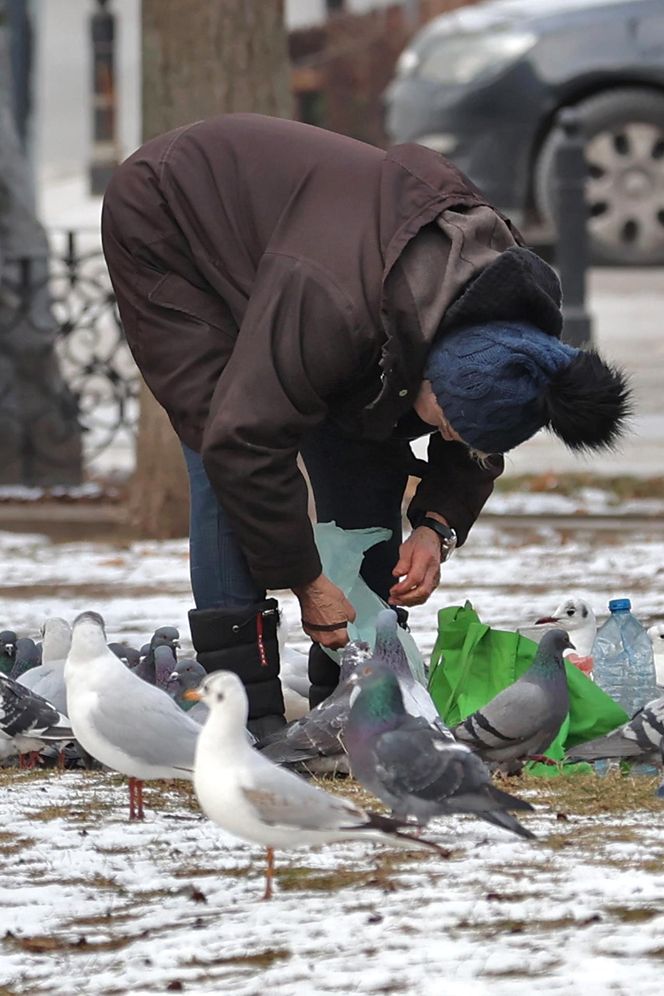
(68, 383)
(94, 356)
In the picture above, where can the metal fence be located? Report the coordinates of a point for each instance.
(69, 384)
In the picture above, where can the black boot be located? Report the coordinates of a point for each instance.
(245, 641)
(323, 675)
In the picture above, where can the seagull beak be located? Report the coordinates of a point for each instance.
(546, 619)
(192, 695)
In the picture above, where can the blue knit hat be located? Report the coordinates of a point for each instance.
(490, 380)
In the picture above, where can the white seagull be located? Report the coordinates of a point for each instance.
(121, 720)
(250, 797)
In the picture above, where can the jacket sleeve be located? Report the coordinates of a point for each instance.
(456, 486)
(295, 351)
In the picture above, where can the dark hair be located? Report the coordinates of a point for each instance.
(588, 403)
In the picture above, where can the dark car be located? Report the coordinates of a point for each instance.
(483, 85)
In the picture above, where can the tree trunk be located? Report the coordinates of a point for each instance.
(200, 58)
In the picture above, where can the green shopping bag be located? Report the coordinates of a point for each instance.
(471, 663)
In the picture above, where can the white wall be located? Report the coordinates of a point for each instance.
(63, 120)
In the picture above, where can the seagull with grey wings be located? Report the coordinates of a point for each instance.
(412, 767)
(522, 721)
(124, 722)
(573, 614)
(639, 740)
(247, 795)
(48, 679)
(27, 721)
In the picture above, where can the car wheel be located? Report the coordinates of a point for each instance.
(624, 151)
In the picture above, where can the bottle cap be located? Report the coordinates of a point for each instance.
(620, 605)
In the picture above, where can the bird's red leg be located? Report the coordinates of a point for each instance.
(543, 759)
(33, 758)
(132, 809)
(139, 796)
(61, 759)
(269, 873)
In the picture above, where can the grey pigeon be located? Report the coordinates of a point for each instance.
(48, 680)
(316, 735)
(26, 657)
(27, 719)
(523, 720)
(7, 650)
(388, 650)
(186, 675)
(638, 740)
(411, 766)
(164, 636)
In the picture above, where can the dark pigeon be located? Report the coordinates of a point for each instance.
(165, 636)
(186, 675)
(523, 720)
(28, 655)
(28, 719)
(8, 640)
(638, 740)
(412, 767)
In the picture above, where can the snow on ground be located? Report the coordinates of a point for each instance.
(93, 904)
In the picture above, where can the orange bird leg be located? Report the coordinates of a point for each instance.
(269, 873)
(139, 797)
(132, 809)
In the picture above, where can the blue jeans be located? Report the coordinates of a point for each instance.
(356, 483)
(220, 577)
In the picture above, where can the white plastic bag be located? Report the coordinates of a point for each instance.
(342, 552)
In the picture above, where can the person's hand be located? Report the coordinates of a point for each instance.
(418, 568)
(323, 604)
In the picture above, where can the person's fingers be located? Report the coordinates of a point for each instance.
(405, 560)
(409, 593)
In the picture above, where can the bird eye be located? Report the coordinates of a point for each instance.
(570, 612)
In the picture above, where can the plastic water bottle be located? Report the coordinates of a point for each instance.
(624, 660)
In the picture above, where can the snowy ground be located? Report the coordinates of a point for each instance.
(93, 904)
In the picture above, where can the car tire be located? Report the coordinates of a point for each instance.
(624, 148)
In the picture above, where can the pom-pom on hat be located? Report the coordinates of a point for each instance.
(500, 382)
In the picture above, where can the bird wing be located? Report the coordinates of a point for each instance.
(292, 802)
(515, 715)
(416, 760)
(23, 712)
(641, 736)
(148, 726)
(315, 734)
(418, 702)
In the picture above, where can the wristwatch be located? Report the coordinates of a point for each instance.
(446, 535)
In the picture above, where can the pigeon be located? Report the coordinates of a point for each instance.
(27, 720)
(7, 650)
(128, 655)
(410, 766)
(576, 616)
(48, 680)
(638, 740)
(187, 674)
(27, 656)
(122, 721)
(316, 735)
(660, 790)
(522, 721)
(165, 636)
(656, 634)
(247, 795)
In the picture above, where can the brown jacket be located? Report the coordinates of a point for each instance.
(269, 275)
